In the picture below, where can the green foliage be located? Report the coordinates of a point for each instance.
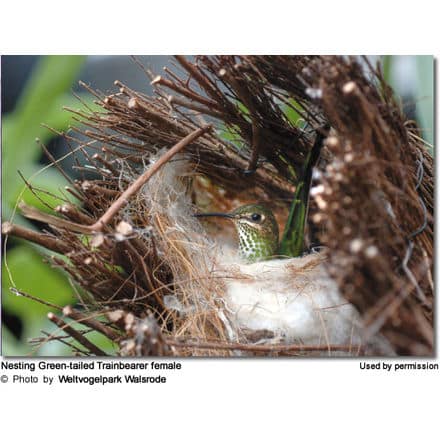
(292, 115)
(386, 61)
(31, 275)
(231, 134)
(423, 91)
(425, 95)
(46, 92)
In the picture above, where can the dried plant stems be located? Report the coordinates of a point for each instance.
(33, 298)
(75, 334)
(44, 240)
(89, 322)
(141, 180)
(121, 201)
(266, 348)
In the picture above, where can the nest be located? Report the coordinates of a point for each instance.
(221, 131)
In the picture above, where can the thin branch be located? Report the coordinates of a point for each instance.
(268, 348)
(160, 80)
(141, 180)
(36, 214)
(54, 244)
(122, 200)
(61, 339)
(33, 298)
(54, 161)
(175, 100)
(92, 323)
(75, 335)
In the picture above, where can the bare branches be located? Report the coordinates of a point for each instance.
(121, 201)
(90, 322)
(75, 334)
(44, 240)
(141, 180)
(369, 193)
(268, 349)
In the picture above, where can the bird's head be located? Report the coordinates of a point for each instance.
(257, 230)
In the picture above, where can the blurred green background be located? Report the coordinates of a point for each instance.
(41, 92)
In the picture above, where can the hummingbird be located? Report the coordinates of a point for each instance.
(256, 225)
(257, 231)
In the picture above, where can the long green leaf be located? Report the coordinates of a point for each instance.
(41, 101)
(52, 77)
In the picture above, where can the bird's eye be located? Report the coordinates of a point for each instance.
(256, 217)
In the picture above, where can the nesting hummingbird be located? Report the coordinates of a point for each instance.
(257, 231)
(256, 225)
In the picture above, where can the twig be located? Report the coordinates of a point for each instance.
(247, 100)
(33, 191)
(54, 161)
(106, 163)
(92, 186)
(122, 200)
(33, 298)
(256, 144)
(258, 348)
(92, 323)
(159, 80)
(75, 335)
(35, 214)
(46, 241)
(60, 339)
(141, 180)
(175, 100)
(198, 76)
(392, 303)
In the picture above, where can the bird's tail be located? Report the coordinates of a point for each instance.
(292, 242)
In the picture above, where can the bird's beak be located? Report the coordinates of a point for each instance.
(214, 214)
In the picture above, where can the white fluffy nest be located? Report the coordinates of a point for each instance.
(292, 298)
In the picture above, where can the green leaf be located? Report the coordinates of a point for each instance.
(10, 345)
(41, 101)
(50, 181)
(51, 79)
(292, 115)
(57, 119)
(31, 275)
(386, 61)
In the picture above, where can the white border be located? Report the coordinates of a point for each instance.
(214, 398)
